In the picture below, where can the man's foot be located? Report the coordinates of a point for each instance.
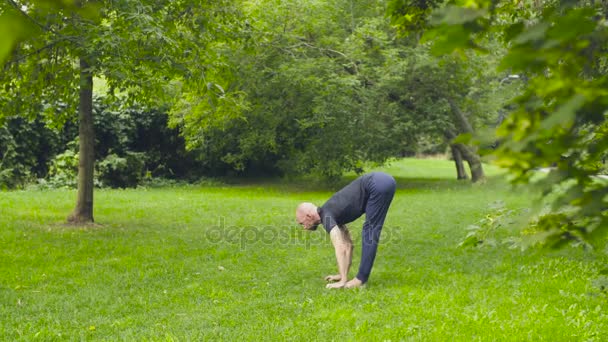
(355, 282)
(337, 285)
(332, 278)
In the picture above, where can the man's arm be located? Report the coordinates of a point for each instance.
(343, 244)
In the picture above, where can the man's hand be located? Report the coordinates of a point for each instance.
(337, 285)
(355, 282)
(333, 278)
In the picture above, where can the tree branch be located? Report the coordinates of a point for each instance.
(328, 50)
(20, 10)
(48, 46)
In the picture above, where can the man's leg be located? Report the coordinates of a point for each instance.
(382, 190)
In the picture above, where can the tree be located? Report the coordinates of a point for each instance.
(140, 47)
(302, 71)
(325, 87)
(559, 119)
(443, 98)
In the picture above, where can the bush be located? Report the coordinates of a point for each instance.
(12, 178)
(29, 149)
(121, 129)
(63, 170)
(24, 149)
(8, 172)
(121, 171)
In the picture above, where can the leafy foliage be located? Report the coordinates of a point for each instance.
(306, 107)
(494, 228)
(254, 87)
(560, 118)
(26, 148)
(121, 172)
(322, 87)
(132, 134)
(138, 46)
(124, 129)
(63, 170)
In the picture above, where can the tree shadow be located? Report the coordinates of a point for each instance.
(310, 184)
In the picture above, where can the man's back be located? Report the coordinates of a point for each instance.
(346, 205)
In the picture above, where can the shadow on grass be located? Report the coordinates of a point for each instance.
(298, 185)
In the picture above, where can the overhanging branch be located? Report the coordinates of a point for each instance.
(37, 51)
(20, 10)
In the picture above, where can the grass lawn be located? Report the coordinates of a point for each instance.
(227, 262)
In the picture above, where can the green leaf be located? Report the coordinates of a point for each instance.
(535, 33)
(564, 116)
(575, 24)
(14, 27)
(456, 15)
(448, 39)
(522, 58)
(513, 31)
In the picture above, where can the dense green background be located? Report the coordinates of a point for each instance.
(248, 88)
(317, 87)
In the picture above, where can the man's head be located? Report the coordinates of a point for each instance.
(307, 216)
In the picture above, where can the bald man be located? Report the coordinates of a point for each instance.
(370, 194)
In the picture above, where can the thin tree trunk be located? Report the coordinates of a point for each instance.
(460, 171)
(461, 120)
(473, 160)
(469, 153)
(83, 213)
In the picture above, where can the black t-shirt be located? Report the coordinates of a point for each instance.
(346, 205)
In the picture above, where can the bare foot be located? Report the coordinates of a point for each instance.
(355, 282)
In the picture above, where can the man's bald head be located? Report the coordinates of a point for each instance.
(307, 216)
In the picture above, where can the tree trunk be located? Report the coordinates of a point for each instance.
(83, 213)
(461, 120)
(472, 158)
(460, 171)
(469, 153)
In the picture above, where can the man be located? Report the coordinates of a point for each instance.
(370, 194)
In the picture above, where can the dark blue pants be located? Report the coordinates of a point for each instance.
(381, 191)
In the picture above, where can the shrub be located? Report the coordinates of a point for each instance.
(63, 170)
(30, 149)
(121, 171)
(23, 146)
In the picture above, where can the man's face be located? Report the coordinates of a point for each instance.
(306, 220)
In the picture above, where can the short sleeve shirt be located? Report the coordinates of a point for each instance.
(346, 205)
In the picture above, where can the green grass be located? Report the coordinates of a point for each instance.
(228, 263)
